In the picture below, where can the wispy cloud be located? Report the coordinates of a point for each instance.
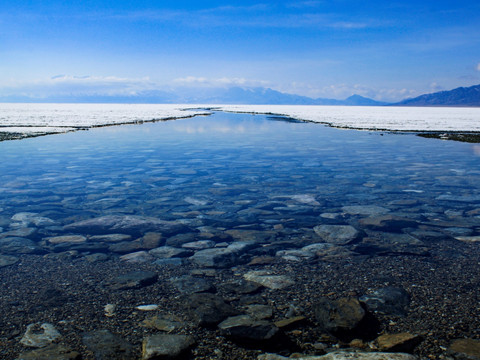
(478, 66)
(77, 85)
(192, 81)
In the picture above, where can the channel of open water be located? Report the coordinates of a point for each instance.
(223, 191)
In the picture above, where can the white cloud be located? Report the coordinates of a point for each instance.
(78, 85)
(192, 81)
(478, 66)
(342, 91)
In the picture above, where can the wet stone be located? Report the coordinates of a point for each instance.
(6, 260)
(19, 245)
(134, 280)
(208, 310)
(128, 224)
(189, 284)
(264, 278)
(217, 258)
(111, 238)
(367, 210)
(199, 245)
(246, 328)
(106, 346)
(69, 239)
(40, 335)
(337, 234)
(166, 346)
(137, 257)
(387, 223)
(402, 342)
(50, 352)
(259, 312)
(162, 323)
(346, 355)
(342, 315)
(22, 232)
(241, 287)
(387, 301)
(391, 244)
(167, 252)
(465, 349)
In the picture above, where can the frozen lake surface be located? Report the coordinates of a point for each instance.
(57, 118)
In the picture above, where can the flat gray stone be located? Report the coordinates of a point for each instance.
(337, 234)
(6, 260)
(166, 346)
(40, 335)
(128, 224)
(51, 352)
(264, 278)
(106, 346)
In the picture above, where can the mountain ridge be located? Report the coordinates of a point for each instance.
(462, 96)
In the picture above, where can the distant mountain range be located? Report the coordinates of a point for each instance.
(462, 96)
(469, 96)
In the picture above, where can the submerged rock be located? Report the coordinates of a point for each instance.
(19, 245)
(268, 280)
(246, 328)
(208, 309)
(166, 346)
(387, 301)
(6, 260)
(106, 346)
(51, 352)
(465, 349)
(134, 280)
(40, 335)
(346, 355)
(337, 234)
(189, 284)
(368, 210)
(402, 342)
(128, 224)
(340, 316)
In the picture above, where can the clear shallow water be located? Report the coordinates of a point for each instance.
(217, 161)
(263, 192)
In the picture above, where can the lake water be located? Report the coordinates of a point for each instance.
(252, 187)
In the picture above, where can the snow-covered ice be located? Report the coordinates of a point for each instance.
(56, 118)
(375, 117)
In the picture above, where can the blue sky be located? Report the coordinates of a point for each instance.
(387, 50)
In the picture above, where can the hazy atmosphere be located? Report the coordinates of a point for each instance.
(384, 50)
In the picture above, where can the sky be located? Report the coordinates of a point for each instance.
(386, 50)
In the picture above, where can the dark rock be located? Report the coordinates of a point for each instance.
(259, 311)
(189, 284)
(387, 223)
(381, 243)
(403, 342)
(340, 316)
(208, 310)
(128, 224)
(178, 240)
(19, 245)
(387, 301)
(216, 258)
(40, 335)
(51, 352)
(134, 280)
(107, 346)
(337, 234)
(465, 349)
(6, 260)
(166, 346)
(246, 328)
(241, 287)
(167, 252)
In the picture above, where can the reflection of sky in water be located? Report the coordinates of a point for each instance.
(262, 158)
